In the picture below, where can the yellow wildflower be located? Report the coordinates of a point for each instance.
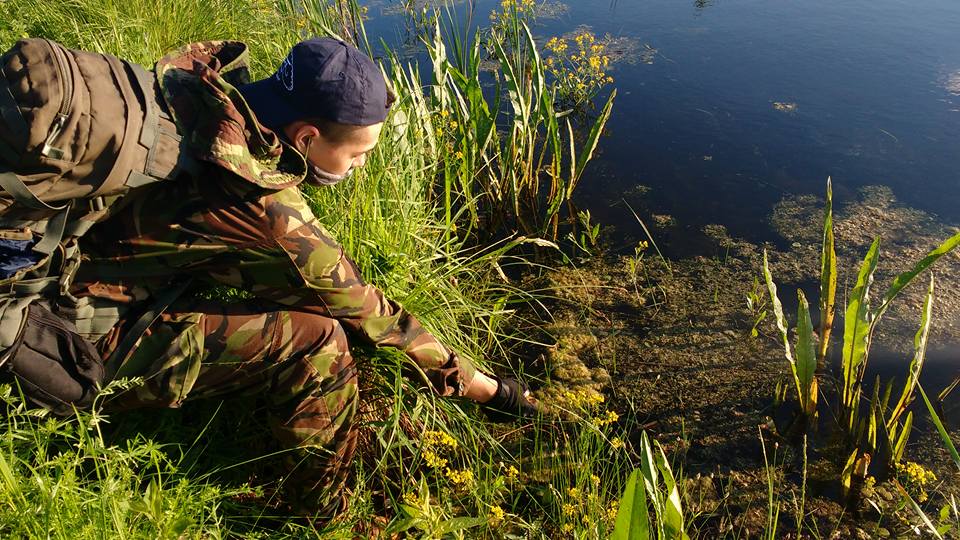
(439, 438)
(460, 477)
(567, 528)
(612, 510)
(433, 459)
(569, 509)
(616, 443)
(595, 480)
(496, 515)
(574, 493)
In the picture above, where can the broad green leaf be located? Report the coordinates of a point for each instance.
(458, 524)
(806, 364)
(633, 518)
(780, 320)
(651, 481)
(905, 278)
(919, 354)
(672, 517)
(828, 277)
(856, 331)
(940, 429)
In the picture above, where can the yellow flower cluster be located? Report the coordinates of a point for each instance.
(580, 73)
(512, 10)
(609, 418)
(612, 511)
(915, 478)
(460, 477)
(582, 399)
(616, 443)
(436, 445)
(512, 473)
(497, 515)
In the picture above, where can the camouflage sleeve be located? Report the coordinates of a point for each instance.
(332, 286)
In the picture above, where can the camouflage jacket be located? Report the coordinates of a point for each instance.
(242, 222)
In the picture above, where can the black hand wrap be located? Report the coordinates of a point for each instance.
(510, 403)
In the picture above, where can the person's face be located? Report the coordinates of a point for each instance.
(335, 156)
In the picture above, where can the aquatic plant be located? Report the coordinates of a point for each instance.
(875, 440)
(518, 177)
(652, 486)
(579, 72)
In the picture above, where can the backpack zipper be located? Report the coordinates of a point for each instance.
(66, 80)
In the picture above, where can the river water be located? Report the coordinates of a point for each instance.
(726, 106)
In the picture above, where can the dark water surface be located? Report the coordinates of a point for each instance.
(871, 81)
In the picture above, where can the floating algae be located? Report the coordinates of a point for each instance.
(952, 83)
(785, 106)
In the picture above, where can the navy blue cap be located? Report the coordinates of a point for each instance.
(320, 78)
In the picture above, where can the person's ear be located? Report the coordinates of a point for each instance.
(302, 134)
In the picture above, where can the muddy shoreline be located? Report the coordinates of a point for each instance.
(670, 342)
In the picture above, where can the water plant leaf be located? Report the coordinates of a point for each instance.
(905, 278)
(777, 310)
(919, 354)
(856, 333)
(846, 476)
(944, 436)
(458, 524)
(672, 517)
(586, 152)
(781, 321)
(901, 444)
(633, 518)
(828, 277)
(806, 364)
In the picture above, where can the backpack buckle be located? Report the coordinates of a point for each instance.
(97, 203)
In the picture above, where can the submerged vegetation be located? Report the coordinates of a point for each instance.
(472, 181)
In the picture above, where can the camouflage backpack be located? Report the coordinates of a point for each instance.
(77, 131)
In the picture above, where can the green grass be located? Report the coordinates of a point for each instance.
(208, 471)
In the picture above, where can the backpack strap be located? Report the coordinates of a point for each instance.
(53, 233)
(151, 132)
(115, 363)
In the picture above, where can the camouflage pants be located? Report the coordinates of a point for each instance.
(299, 363)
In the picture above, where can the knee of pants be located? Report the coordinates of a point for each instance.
(321, 342)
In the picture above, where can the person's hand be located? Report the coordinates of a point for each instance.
(512, 401)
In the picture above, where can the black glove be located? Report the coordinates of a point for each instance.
(512, 401)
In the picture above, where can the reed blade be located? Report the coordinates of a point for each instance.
(905, 278)
(944, 436)
(903, 436)
(586, 153)
(919, 511)
(828, 278)
(919, 355)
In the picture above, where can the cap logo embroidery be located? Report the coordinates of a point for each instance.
(285, 74)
